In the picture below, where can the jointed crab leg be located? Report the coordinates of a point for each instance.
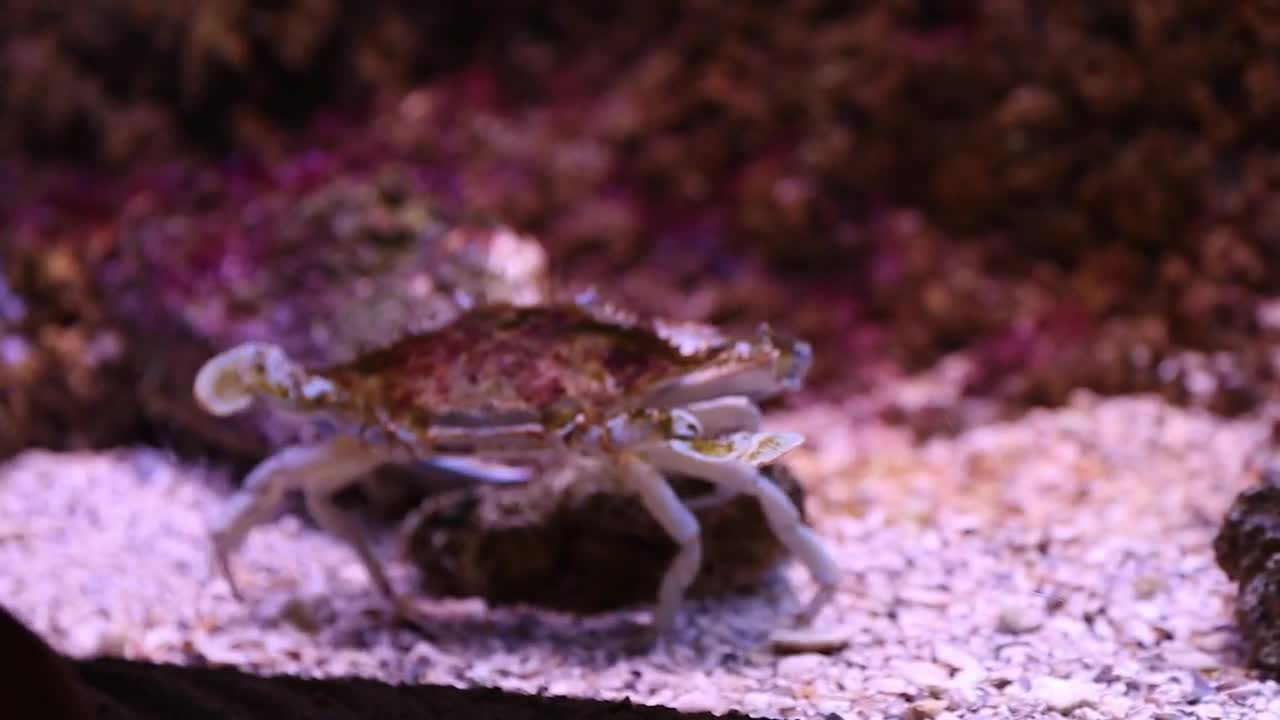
(319, 471)
(679, 522)
(681, 457)
(479, 470)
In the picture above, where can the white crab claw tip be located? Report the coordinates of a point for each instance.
(218, 389)
(766, 447)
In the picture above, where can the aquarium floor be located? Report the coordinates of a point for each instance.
(1059, 564)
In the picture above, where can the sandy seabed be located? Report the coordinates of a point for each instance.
(1057, 565)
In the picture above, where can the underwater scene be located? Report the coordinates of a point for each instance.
(813, 360)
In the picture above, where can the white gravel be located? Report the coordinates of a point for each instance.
(1057, 566)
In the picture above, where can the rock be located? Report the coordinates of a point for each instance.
(809, 640)
(1018, 619)
(801, 666)
(1105, 195)
(1064, 695)
(1247, 548)
(1192, 659)
(118, 689)
(581, 548)
(958, 658)
(39, 681)
(707, 700)
(1210, 711)
(65, 379)
(925, 675)
(926, 709)
(352, 259)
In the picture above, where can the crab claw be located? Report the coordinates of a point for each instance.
(229, 382)
(754, 448)
(222, 385)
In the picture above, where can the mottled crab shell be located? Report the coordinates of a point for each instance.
(504, 364)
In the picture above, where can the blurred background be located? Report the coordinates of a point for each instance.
(1060, 195)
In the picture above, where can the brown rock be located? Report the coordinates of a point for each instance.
(586, 551)
(1247, 549)
(38, 681)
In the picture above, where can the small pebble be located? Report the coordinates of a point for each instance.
(301, 615)
(1191, 659)
(957, 657)
(926, 675)
(1115, 706)
(1211, 711)
(890, 686)
(705, 700)
(1148, 586)
(1064, 695)
(1019, 619)
(1200, 688)
(1244, 691)
(803, 665)
(926, 597)
(926, 709)
(809, 640)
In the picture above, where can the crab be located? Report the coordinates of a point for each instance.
(567, 383)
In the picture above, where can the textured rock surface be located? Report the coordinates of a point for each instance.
(125, 690)
(39, 683)
(1248, 550)
(694, 153)
(323, 261)
(102, 333)
(66, 378)
(586, 550)
(42, 684)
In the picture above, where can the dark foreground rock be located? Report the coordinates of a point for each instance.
(1248, 550)
(590, 552)
(38, 682)
(41, 684)
(126, 690)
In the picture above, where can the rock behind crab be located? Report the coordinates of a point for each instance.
(318, 259)
(592, 551)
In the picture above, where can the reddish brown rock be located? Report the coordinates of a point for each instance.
(899, 180)
(587, 553)
(1247, 549)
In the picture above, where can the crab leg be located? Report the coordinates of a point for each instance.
(720, 416)
(679, 522)
(477, 470)
(678, 456)
(318, 471)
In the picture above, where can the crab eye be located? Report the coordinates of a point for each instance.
(795, 362)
